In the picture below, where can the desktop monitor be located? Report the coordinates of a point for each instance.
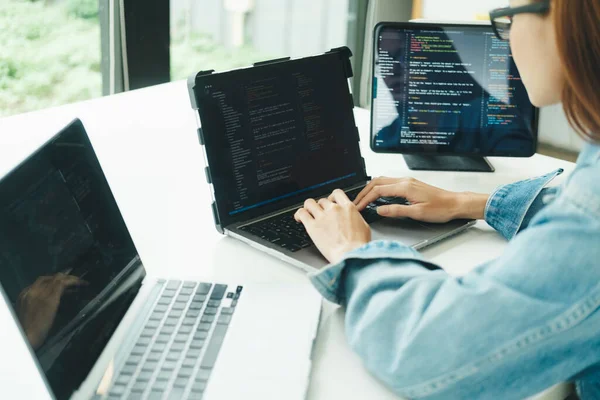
(448, 90)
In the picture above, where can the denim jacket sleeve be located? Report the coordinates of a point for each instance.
(509, 329)
(511, 207)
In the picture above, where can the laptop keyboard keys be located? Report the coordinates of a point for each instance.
(199, 297)
(204, 327)
(210, 311)
(180, 382)
(163, 338)
(152, 324)
(139, 387)
(154, 356)
(133, 360)
(185, 329)
(165, 301)
(117, 390)
(139, 350)
(169, 365)
(203, 288)
(199, 387)
(193, 353)
(184, 302)
(203, 375)
(218, 292)
(182, 298)
(176, 393)
(159, 386)
(189, 362)
(174, 355)
(155, 395)
(173, 284)
(123, 380)
(149, 366)
(129, 369)
(164, 375)
(193, 313)
(185, 372)
(214, 345)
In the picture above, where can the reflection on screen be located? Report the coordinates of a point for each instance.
(277, 131)
(453, 91)
(62, 244)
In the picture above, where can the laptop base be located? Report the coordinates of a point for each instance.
(418, 235)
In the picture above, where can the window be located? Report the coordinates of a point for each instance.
(226, 34)
(50, 53)
(62, 51)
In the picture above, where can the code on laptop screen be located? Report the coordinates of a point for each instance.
(278, 131)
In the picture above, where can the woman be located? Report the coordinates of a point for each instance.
(523, 322)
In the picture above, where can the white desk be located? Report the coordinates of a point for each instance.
(147, 145)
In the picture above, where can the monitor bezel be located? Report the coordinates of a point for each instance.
(441, 26)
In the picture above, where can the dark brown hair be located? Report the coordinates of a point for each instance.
(578, 37)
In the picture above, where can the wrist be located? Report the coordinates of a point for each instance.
(341, 251)
(471, 205)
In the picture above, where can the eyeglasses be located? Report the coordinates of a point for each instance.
(502, 17)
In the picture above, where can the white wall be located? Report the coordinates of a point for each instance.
(555, 129)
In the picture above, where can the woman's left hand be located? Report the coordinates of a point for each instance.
(335, 225)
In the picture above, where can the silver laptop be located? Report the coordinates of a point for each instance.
(98, 328)
(278, 133)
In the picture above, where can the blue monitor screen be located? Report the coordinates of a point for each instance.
(451, 90)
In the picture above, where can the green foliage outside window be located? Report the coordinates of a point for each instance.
(50, 54)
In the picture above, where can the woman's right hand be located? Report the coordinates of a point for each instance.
(427, 203)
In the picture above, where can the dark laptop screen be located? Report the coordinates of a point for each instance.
(279, 131)
(63, 246)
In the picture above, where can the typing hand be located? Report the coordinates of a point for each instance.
(38, 304)
(335, 225)
(427, 203)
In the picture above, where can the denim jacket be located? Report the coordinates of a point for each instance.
(507, 330)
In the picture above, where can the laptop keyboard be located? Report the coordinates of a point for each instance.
(176, 351)
(283, 230)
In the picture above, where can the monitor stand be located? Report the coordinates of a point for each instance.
(448, 163)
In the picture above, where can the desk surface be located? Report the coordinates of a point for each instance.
(147, 145)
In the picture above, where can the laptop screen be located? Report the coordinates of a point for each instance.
(278, 132)
(65, 255)
(448, 89)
